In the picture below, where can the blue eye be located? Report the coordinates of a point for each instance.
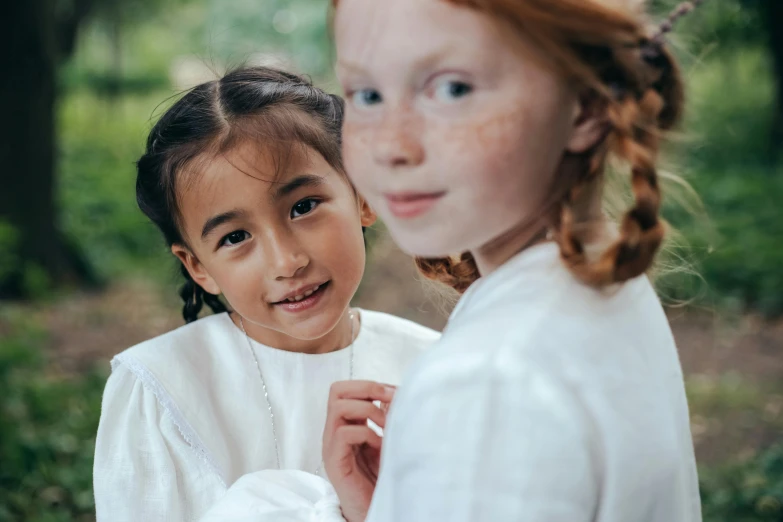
(304, 207)
(451, 90)
(234, 238)
(366, 97)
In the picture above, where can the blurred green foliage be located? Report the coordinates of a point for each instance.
(101, 140)
(49, 421)
(724, 156)
(751, 491)
(48, 431)
(726, 21)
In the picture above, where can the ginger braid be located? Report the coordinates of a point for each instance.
(649, 102)
(636, 81)
(458, 273)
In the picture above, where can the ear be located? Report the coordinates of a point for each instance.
(366, 213)
(196, 270)
(590, 125)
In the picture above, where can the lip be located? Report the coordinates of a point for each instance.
(306, 303)
(299, 291)
(411, 204)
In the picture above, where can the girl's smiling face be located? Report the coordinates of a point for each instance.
(285, 248)
(454, 130)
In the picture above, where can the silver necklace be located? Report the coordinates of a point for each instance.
(266, 393)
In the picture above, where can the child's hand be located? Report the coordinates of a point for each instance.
(351, 449)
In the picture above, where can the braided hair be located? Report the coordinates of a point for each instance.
(635, 80)
(258, 103)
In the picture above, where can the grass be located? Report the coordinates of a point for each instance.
(47, 435)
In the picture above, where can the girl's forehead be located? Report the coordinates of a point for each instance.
(382, 19)
(249, 164)
(239, 176)
(393, 34)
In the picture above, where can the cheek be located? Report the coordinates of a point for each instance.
(341, 254)
(339, 245)
(511, 152)
(238, 281)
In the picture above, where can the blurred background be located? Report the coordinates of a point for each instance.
(84, 276)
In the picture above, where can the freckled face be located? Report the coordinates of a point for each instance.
(452, 132)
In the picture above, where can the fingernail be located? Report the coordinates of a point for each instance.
(390, 390)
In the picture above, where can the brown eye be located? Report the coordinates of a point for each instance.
(234, 238)
(303, 207)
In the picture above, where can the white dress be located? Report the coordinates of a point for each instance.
(184, 418)
(544, 401)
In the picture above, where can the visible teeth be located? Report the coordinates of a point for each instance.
(302, 296)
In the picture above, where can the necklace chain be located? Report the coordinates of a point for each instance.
(266, 393)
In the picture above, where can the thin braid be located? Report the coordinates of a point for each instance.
(195, 297)
(214, 303)
(459, 274)
(636, 139)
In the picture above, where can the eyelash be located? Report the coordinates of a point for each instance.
(353, 97)
(358, 97)
(224, 239)
(450, 83)
(316, 203)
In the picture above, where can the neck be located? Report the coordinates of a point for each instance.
(337, 338)
(499, 250)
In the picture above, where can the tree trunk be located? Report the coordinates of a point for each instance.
(27, 146)
(772, 11)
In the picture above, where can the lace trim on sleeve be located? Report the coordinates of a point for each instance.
(170, 408)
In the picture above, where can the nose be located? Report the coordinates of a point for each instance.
(397, 141)
(286, 258)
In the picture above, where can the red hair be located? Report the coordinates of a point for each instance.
(635, 82)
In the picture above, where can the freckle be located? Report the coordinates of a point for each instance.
(488, 133)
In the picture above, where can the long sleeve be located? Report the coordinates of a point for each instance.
(486, 439)
(278, 496)
(144, 469)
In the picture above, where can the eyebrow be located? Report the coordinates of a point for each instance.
(303, 180)
(215, 221)
(427, 60)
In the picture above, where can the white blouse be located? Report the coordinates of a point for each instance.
(544, 401)
(184, 419)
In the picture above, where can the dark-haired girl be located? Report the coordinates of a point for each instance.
(245, 180)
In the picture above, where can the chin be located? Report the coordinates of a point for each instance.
(314, 327)
(426, 243)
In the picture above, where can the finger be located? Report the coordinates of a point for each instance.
(346, 411)
(355, 435)
(362, 390)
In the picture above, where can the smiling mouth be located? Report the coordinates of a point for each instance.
(303, 294)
